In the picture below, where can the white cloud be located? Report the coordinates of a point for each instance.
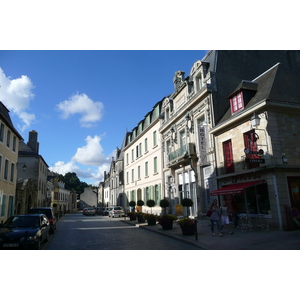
(16, 94)
(90, 155)
(81, 104)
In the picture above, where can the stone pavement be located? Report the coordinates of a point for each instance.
(250, 240)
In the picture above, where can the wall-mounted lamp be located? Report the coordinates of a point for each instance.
(284, 159)
(255, 120)
(24, 167)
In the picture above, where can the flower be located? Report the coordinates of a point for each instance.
(166, 219)
(186, 221)
(149, 216)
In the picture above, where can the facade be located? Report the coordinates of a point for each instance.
(9, 146)
(101, 194)
(37, 168)
(258, 165)
(190, 114)
(89, 197)
(142, 161)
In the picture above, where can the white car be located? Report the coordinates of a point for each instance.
(116, 211)
(90, 211)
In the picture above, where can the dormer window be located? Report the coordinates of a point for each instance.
(237, 102)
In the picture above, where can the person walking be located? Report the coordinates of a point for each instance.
(214, 218)
(225, 217)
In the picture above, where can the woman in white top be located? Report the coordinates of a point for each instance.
(224, 216)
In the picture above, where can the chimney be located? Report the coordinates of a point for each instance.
(33, 141)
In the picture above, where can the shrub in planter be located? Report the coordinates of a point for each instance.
(132, 203)
(187, 225)
(166, 221)
(132, 216)
(140, 217)
(140, 203)
(150, 218)
(151, 203)
(164, 204)
(186, 202)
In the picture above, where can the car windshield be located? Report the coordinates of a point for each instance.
(22, 221)
(46, 212)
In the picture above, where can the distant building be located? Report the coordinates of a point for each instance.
(89, 197)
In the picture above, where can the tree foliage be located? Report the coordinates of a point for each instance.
(73, 183)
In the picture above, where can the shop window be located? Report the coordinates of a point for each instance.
(228, 157)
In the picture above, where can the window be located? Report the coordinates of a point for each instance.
(228, 158)
(0, 166)
(146, 169)
(146, 145)
(14, 143)
(155, 165)
(250, 139)
(132, 155)
(127, 177)
(127, 158)
(6, 170)
(1, 132)
(2, 205)
(182, 138)
(12, 172)
(140, 149)
(8, 138)
(139, 172)
(237, 102)
(154, 138)
(132, 175)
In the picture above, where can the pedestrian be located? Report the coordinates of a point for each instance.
(234, 210)
(225, 217)
(215, 218)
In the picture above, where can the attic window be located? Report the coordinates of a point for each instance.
(237, 102)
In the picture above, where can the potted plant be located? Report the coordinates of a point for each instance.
(187, 225)
(150, 218)
(151, 203)
(187, 202)
(166, 221)
(164, 204)
(132, 215)
(132, 204)
(140, 204)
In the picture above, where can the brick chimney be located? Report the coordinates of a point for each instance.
(33, 141)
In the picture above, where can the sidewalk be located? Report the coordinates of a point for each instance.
(240, 240)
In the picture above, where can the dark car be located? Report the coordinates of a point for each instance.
(24, 231)
(100, 210)
(48, 211)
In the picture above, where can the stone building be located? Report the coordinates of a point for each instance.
(9, 146)
(257, 147)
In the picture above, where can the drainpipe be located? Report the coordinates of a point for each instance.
(277, 202)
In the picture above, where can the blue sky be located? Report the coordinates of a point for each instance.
(82, 102)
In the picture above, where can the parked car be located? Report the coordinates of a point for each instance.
(90, 211)
(100, 210)
(116, 211)
(84, 210)
(49, 212)
(106, 211)
(24, 231)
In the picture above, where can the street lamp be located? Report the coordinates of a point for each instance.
(255, 120)
(24, 167)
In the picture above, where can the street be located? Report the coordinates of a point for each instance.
(79, 232)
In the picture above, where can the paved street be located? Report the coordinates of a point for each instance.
(79, 232)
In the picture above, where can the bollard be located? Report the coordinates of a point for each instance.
(196, 231)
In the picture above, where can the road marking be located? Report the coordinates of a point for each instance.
(117, 227)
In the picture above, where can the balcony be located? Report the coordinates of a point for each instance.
(181, 155)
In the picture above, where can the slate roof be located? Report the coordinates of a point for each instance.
(278, 84)
(5, 117)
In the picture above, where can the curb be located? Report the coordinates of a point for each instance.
(146, 227)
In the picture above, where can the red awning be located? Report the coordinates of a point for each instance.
(235, 188)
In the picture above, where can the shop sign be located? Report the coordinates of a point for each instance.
(255, 160)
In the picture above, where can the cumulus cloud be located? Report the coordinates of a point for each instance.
(90, 155)
(81, 104)
(16, 95)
